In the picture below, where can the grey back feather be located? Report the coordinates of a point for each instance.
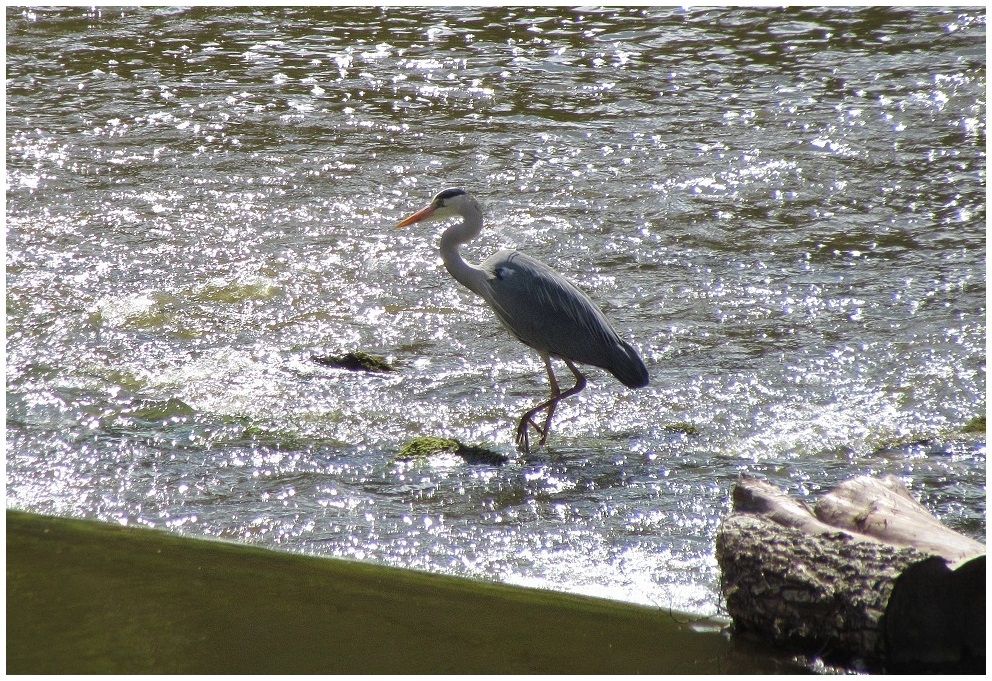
(549, 313)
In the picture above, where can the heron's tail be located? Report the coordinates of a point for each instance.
(628, 367)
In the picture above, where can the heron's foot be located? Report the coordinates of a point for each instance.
(523, 430)
(523, 438)
(523, 434)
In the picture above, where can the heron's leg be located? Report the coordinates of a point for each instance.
(552, 403)
(527, 420)
(557, 396)
(580, 383)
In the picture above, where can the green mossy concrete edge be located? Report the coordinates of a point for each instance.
(92, 597)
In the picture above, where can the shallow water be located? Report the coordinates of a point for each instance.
(784, 210)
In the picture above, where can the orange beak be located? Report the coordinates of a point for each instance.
(421, 214)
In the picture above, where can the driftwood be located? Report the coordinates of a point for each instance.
(867, 579)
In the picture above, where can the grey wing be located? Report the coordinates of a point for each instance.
(547, 312)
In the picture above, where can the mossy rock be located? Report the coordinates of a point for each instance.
(420, 448)
(976, 425)
(683, 428)
(355, 361)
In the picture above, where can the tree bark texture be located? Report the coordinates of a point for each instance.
(868, 577)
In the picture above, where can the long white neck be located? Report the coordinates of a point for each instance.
(471, 276)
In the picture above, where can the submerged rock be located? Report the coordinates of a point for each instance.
(355, 361)
(151, 411)
(424, 447)
(945, 442)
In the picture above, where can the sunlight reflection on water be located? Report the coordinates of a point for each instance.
(784, 209)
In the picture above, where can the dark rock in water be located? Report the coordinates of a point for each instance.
(912, 444)
(424, 447)
(355, 361)
(942, 443)
(682, 428)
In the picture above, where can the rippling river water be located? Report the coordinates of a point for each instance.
(784, 210)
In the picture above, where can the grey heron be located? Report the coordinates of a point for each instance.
(538, 305)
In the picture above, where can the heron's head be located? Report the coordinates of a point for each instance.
(446, 204)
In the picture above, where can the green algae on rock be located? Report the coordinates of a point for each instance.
(683, 428)
(424, 447)
(976, 425)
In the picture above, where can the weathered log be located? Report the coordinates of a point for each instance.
(883, 509)
(864, 579)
